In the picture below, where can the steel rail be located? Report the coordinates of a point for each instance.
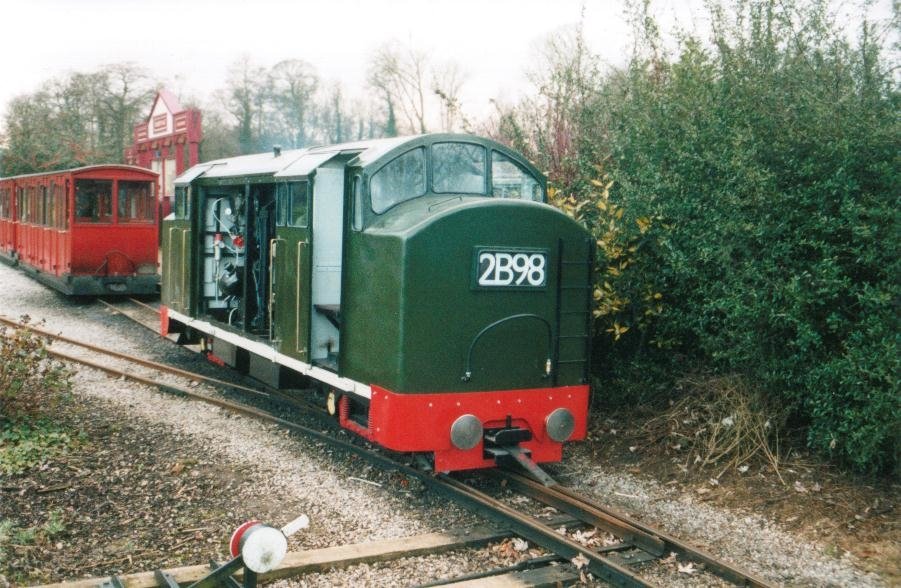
(569, 501)
(587, 512)
(143, 307)
(537, 532)
(144, 304)
(130, 358)
(727, 571)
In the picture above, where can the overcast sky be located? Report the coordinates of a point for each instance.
(189, 44)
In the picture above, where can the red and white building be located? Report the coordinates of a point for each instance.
(167, 142)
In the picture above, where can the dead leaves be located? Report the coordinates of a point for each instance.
(515, 549)
(688, 568)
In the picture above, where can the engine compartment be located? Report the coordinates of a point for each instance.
(238, 224)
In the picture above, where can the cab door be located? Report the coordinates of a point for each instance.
(178, 261)
(291, 255)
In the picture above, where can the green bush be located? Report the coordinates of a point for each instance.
(772, 159)
(768, 162)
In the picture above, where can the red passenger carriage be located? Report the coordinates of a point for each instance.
(86, 231)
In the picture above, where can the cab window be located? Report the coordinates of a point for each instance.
(182, 202)
(94, 201)
(281, 204)
(509, 180)
(458, 168)
(358, 203)
(297, 211)
(135, 202)
(400, 180)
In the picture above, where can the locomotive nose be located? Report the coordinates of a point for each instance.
(504, 282)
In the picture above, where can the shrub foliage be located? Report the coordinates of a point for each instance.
(31, 384)
(759, 174)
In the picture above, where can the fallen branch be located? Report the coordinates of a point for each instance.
(721, 422)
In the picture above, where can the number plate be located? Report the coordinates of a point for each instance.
(509, 268)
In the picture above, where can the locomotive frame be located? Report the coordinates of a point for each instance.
(86, 231)
(421, 282)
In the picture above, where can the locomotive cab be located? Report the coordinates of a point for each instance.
(480, 295)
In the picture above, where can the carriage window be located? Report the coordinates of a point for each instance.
(458, 167)
(509, 180)
(297, 214)
(29, 204)
(59, 206)
(401, 180)
(135, 202)
(94, 201)
(20, 204)
(4, 203)
(46, 207)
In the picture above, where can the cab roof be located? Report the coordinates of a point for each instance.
(284, 163)
(296, 163)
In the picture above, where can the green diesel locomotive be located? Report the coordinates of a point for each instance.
(421, 284)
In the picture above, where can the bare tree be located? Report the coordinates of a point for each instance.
(335, 122)
(219, 138)
(447, 81)
(401, 75)
(293, 84)
(555, 126)
(244, 99)
(74, 102)
(127, 93)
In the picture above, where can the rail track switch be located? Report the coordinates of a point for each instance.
(257, 548)
(513, 456)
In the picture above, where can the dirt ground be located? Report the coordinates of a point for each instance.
(127, 495)
(812, 500)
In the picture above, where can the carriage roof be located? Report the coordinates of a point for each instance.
(83, 169)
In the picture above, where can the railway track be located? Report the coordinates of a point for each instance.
(619, 563)
(146, 315)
